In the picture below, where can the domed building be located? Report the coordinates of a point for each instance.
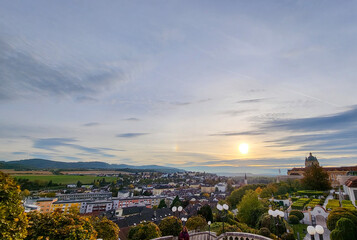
(311, 160)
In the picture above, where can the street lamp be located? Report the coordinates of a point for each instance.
(223, 209)
(311, 230)
(318, 229)
(209, 229)
(184, 220)
(275, 214)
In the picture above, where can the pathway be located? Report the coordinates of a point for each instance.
(330, 196)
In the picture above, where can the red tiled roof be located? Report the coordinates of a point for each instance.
(352, 182)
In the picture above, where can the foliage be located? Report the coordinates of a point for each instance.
(300, 203)
(293, 219)
(298, 214)
(310, 192)
(316, 178)
(59, 226)
(275, 225)
(206, 212)
(144, 231)
(236, 196)
(196, 223)
(332, 204)
(345, 229)
(299, 228)
(13, 220)
(176, 202)
(106, 229)
(264, 232)
(339, 213)
(288, 236)
(162, 204)
(217, 227)
(315, 202)
(348, 204)
(250, 208)
(170, 226)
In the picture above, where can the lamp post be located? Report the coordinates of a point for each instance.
(183, 220)
(209, 230)
(317, 229)
(223, 209)
(276, 215)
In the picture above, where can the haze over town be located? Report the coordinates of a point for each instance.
(179, 83)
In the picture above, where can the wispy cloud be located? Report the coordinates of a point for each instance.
(132, 119)
(131, 135)
(91, 124)
(256, 100)
(227, 134)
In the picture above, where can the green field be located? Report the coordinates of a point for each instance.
(65, 179)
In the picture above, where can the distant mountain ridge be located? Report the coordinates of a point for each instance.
(49, 164)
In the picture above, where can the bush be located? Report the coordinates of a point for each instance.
(310, 193)
(170, 226)
(144, 231)
(345, 230)
(288, 236)
(196, 223)
(339, 213)
(299, 214)
(293, 219)
(264, 232)
(332, 204)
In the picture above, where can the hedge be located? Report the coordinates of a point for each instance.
(298, 214)
(300, 203)
(332, 204)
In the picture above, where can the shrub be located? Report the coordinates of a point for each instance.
(299, 214)
(264, 232)
(196, 222)
(332, 204)
(144, 231)
(339, 213)
(345, 230)
(310, 192)
(288, 236)
(170, 226)
(293, 219)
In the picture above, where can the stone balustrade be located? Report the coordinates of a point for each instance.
(224, 236)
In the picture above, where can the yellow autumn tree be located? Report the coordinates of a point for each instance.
(13, 220)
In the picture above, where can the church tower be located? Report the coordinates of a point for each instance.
(311, 160)
(245, 179)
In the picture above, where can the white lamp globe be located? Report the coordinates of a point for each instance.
(219, 207)
(225, 206)
(174, 209)
(209, 222)
(281, 214)
(319, 229)
(275, 213)
(311, 230)
(270, 212)
(179, 208)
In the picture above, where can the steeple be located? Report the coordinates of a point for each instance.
(245, 179)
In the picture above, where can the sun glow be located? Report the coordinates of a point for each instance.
(243, 148)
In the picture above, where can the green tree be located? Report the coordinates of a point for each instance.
(176, 202)
(144, 231)
(170, 226)
(206, 212)
(162, 204)
(13, 220)
(196, 223)
(79, 184)
(60, 226)
(316, 178)
(236, 196)
(106, 229)
(25, 193)
(339, 213)
(250, 208)
(345, 229)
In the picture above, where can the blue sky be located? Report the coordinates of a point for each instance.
(179, 83)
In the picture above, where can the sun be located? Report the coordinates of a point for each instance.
(243, 148)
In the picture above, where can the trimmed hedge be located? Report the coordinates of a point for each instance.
(300, 203)
(310, 193)
(348, 205)
(298, 214)
(293, 219)
(315, 202)
(332, 204)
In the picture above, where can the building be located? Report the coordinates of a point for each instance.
(337, 175)
(350, 188)
(89, 195)
(44, 204)
(65, 206)
(208, 189)
(148, 201)
(221, 187)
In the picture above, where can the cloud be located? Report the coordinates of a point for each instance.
(252, 133)
(234, 113)
(131, 135)
(91, 124)
(24, 76)
(343, 120)
(256, 100)
(52, 143)
(132, 119)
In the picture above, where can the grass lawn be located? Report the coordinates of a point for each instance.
(65, 179)
(299, 228)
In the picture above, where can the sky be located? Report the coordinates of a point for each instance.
(180, 83)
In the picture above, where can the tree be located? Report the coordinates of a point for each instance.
(170, 226)
(106, 229)
(144, 231)
(293, 219)
(339, 213)
(60, 226)
(236, 196)
(79, 184)
(13, 220)
(196, 223)
(162, 204)
(25, 193)
(297, 213)
(250, 208)
(206, 212)
(345, 229)
(176, 202)
(316, 178)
